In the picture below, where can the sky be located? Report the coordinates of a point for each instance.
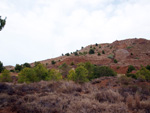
(43, 29)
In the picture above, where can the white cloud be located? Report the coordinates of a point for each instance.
(41, 29)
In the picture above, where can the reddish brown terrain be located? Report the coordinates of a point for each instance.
(127, 52)
(119, 94)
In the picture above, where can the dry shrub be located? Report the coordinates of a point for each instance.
(145, 105)
(124, 80)
(130, 101)
(6, 100)
(85, 106)
(134, 103)
(137, 100)
(52, 103)
(69, 87)
(5, 88)
(93, 106)
(145, 89)
(87, 88)
(30, 98)
(108, 95)
(69, 97)
(116, 108)
(26, 88)
(131, 89)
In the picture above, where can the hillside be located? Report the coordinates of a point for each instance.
(127, 52)
(86, 88)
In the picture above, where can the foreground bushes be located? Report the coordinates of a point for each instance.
(28, 75)
(38, 73)
(100, 71)
(69, 97)
(1, 67)
(130, 68)
(5, 76)
(84, 72)
(87, 71)
(143, 74)
(78, 75)
(54, 74)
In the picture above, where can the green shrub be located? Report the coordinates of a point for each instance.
(1, 67)
(111, 56)
(38, 73)
(64, 69)
(53, 62)
(143, 74)
(129, 47)
(91, 51)
(84, 53)
(99, 54)
(18, 67)
(118, 67)
(27, 75)
(130, 68)
(5, 76)
(80, 53)
(79, 75)
(100, 71)
(36, 63)
(54, 74)
(26, 65)
(41, 72)
(71, 75)
(72, 63)
(96, 44)
(115, 61)
(103, 52)
(67, 54)
(99, 46)
(2, 23)
(12, 70)
(131, 75)
(76, 53)
(148, 67)
(90, 68)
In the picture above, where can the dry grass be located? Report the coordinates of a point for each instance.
(108, 96)
(69, 97)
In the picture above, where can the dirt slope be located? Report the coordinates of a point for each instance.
(127, 52)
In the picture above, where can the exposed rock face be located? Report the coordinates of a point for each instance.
(121, 54)
(134, 52)
(9, 67)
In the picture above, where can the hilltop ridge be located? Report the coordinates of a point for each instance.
(118, 55)
(126, 52)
